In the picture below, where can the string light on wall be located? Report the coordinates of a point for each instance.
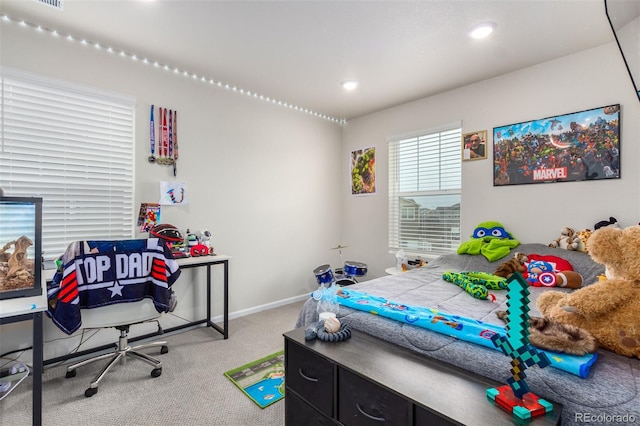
(166, 67)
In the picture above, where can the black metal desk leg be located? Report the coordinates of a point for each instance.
(222, 330)
(37, 368)
(209, 323)
(226, 300)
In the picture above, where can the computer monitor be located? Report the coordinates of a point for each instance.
(20, 247)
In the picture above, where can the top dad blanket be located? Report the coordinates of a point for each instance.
(100, 273)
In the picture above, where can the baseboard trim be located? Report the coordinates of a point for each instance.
(260, 308)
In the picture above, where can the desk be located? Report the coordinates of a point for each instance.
(209, 261)
(36, 316)
(183, 263)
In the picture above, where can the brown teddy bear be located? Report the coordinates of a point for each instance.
(609, 309)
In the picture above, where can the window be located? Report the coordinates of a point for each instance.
(424, 193)
(72, 146)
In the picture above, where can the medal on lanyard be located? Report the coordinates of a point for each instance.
(160, 111)
(171, 136)
(165, 135)
(164, 139)
(152, 137)
(175, 141)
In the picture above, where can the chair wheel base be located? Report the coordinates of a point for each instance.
(156, 372)
(164, 349)
(90, 392)
(70, 374)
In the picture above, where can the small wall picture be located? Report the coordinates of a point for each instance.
(363, 171)
(474, 145)
(149, 216)
(173, 193)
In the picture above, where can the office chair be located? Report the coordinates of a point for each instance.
(120, 316)
(113, 284)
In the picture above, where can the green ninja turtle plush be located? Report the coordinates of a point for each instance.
(491, 240)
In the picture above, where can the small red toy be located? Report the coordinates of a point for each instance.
(199, 250)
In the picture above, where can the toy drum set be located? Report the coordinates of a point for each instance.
(354, 269)
(344, 276)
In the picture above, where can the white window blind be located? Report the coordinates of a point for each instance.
(72, 146)
(424, 193)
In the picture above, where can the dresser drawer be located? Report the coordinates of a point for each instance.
(425, 417)
(361, 402)
(311, 376)
(299, 413)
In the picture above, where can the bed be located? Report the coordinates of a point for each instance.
(609, 392)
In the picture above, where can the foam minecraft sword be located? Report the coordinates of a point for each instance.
(516, 343)
(515, 396)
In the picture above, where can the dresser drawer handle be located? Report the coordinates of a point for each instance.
(304, 376)
(378, 419)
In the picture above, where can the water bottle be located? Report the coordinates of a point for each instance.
(328, 304)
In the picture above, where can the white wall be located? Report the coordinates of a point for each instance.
(261, 177)
(532, 213)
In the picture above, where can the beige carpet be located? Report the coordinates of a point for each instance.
(192, 389)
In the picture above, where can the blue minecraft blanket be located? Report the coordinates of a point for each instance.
(467, 329)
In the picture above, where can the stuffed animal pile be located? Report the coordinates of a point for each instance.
(541, 270)
(568, 240)
(609, 309)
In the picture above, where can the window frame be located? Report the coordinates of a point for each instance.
(449, 190)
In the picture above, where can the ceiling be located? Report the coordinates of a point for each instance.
(299, 51)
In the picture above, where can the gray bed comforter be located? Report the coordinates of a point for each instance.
(610, 393)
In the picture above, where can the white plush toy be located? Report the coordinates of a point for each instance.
(567, 240)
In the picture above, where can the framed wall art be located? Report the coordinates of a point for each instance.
(363, 171)
(578, 146)
(474, 145)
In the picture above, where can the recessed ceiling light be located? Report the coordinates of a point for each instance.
(349, 84)
(482, 30)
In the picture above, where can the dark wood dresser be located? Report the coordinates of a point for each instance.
(368, 381)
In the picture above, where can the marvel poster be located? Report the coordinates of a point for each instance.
(572, 147)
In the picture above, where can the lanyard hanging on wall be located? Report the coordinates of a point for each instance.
(175, 141)
(167, 137)
(152, 136)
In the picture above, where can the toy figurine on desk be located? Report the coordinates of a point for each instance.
(194, 246)
(172, 236)
(205, 239)
(199, 244)
(515, 397)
